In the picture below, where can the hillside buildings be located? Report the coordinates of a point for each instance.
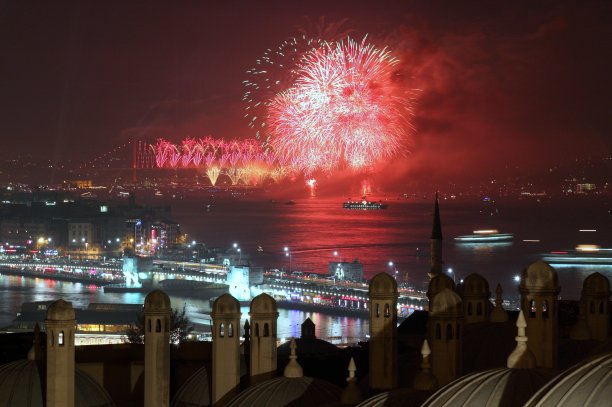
(52, 223)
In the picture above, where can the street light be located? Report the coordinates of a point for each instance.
(391, 264)
(235, 246)
(450, 271)
(288, 254)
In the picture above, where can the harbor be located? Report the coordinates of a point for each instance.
(190, 280)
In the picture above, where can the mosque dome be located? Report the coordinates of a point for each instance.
(403, 397)
(382, 284)
(285, 391)
(20, 385)
(539, 275)
(194, 392)
(596, 284)
(263, 304)
(496, 387)
(438, 283)
(157, 300)
(446, 301)
(226, 304)
(586, 384)
(475, 285)
(60, 310)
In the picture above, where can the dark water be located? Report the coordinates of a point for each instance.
(314, 228)
(15, 290)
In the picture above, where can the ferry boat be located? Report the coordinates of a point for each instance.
(583, 255)
(485, 236)
(364, 204)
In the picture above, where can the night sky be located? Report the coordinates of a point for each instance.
(503, 83)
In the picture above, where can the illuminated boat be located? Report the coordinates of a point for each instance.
(583, 255)
(485, 236)
(364, 204)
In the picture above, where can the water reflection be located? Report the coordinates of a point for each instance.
(339, 328)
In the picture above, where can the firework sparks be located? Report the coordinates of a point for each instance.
(240, 160)
(347, 108)
(273, 72)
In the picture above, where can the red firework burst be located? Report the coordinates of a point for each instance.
(347, 107)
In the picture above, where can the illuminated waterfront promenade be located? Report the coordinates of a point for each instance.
(309, 294)
(92, 273)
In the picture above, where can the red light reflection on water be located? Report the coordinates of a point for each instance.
(50, 283)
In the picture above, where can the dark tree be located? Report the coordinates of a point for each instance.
(180, 327)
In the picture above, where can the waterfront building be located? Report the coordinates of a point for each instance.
(344, 270)
(86, 227)
(99, 323)
(80, 233)
(238, 281)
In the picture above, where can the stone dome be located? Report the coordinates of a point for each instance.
(586, 384)
(194, 392)
(446, 301)
(539, 275)
(263, 304)
(20, 385)
(382, 285)
(475, 285)
(157, 300)
(596, 284)
(497, 387)
(403, 397)
(60, 310)
(287, 391)
(226, 304)
(438, 283)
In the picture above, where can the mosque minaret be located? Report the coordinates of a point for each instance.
(60, 325)
(436, 242)
(383, 332)
(157, 311)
